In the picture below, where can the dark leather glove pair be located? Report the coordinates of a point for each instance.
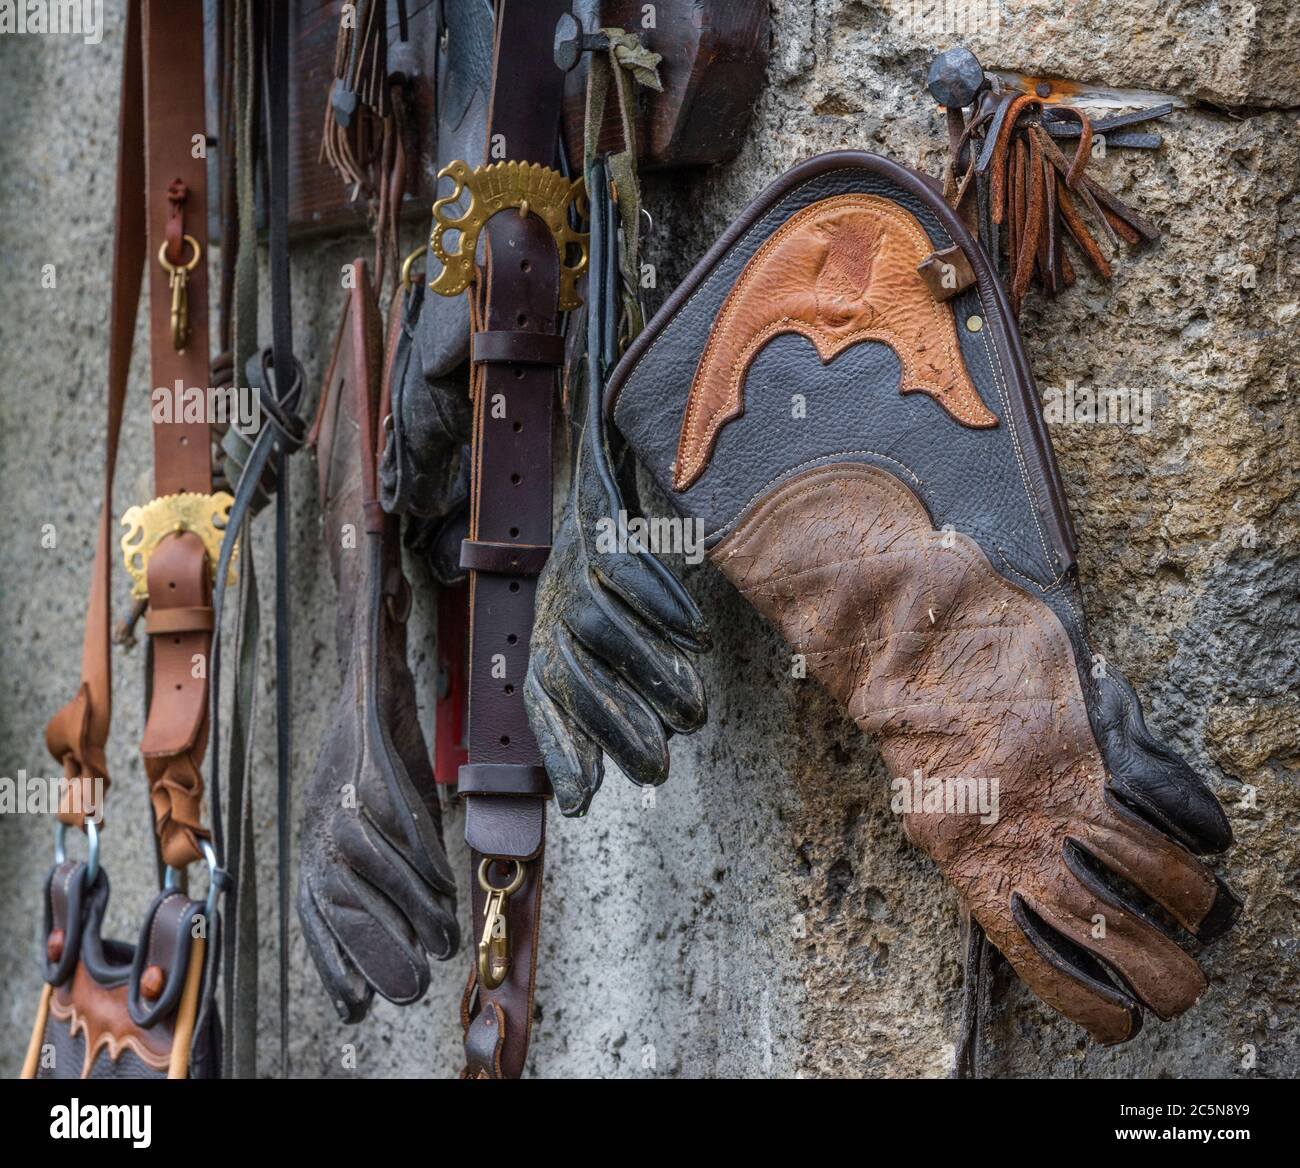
(609, 667)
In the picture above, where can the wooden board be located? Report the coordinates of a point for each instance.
(714, 64)
(318, 199)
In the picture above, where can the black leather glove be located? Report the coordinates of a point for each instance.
(610, 667)
(424, 472)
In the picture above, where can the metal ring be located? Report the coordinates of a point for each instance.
(188, 267)
(92, 848)
(514, 885)
(92, 851)
(171, 879)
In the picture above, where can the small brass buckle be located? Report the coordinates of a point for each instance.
(528, 187)
(147, 526)
(494, 944)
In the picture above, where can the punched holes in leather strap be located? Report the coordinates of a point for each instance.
(503, 559)
(513, 347)
(178, 620)
(503, 778)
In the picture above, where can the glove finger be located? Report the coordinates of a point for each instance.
(1152, 779)
(1164, 870)
(572, 760)
(661, 673)
(391, 798)
(651, 590)
(606, 709)
(377, 939)
(1096, 917)
(394, 888)
(348, 990)
(1066, 977)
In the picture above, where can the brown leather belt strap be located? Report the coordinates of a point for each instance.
(517, 295)
(180, 577)
(174, 134)
(161, 228)
(77, 734)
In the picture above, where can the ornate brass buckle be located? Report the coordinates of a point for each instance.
(525, 186)
(146, 526)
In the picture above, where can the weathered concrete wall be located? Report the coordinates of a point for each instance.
(762, 914)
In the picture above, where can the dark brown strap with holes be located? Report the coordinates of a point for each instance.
(161, 215)
(517, 351)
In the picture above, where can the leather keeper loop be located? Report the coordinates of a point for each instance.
(503, 559)
(511, 347)
(178, 620)
(503, 778)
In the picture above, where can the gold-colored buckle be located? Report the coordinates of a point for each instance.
(529, 187)
(146, 527)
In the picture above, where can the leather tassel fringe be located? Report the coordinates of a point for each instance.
(1024, 196)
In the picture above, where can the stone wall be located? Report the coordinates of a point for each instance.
(762, 913)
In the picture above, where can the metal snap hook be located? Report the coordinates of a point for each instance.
(178, 279)
(494, 943)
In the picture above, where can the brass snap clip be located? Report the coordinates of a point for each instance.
(494, 944)
(178, 279)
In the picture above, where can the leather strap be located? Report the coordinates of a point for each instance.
(450, 750)
(160, 228)
(161, 200)
(175, 735)
(261, 69)
(513, 346)
(516, 293)
(77, 734)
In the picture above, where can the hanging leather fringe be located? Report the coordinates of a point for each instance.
(359, 122)
(1021, 193)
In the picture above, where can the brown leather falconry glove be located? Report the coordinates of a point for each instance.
(839, 391)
